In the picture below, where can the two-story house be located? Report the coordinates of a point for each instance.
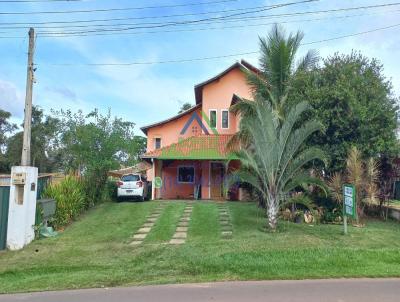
(188, 152)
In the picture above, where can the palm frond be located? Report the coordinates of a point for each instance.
(372, 174)
(354, 167)
(300, 199)
(298, 162)
(309, 61)
(335, 184)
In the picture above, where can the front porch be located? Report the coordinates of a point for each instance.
(193, 179)
(194, 168)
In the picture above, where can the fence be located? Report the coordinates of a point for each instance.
(4, 202)
(43, 181)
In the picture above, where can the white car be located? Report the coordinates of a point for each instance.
(132, 186)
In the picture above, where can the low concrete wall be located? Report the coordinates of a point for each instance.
(394, 213)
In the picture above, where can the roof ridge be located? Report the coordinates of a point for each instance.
(145, 127)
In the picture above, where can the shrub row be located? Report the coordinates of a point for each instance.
(73, 196)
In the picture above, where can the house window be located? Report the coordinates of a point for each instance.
(186, 174)
(213, 118)
(225, 119)
(157, 143)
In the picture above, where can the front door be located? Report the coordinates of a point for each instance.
(217, 172)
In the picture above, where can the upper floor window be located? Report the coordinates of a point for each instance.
(225, 119)
(157, 143)
(213, 118)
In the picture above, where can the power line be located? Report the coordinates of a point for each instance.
(219, 57)
(187, 21)
(133, 18)
(116, 9)
(229, 18)
(242, 26)
(202, 22)
(33, 1)
(35, 24)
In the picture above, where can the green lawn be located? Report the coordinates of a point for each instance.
(395, 203)
(94, 251)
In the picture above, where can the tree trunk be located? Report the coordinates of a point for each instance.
(272, 213)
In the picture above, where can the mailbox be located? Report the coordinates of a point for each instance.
(18, 179)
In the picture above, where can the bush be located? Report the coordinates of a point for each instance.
(70, 200)
(111, 190)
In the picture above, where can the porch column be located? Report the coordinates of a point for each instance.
(153, 186)
(224, 187)
(159, 174)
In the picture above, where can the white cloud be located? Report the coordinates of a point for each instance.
(148, 96)
(11, 98)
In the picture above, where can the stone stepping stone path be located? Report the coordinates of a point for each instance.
(225, 221)
(145, 229)
(183, 226)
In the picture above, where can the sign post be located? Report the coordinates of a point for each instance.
(349, 204)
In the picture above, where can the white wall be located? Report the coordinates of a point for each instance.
(21, 217)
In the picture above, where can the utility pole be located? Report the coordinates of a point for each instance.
(26, 145)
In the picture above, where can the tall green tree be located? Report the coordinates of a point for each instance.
(92, 145)
(134, 147)
(356, 103)
(43, 144)
(184, 107)
(6, 128)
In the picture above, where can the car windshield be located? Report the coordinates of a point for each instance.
(130, 177)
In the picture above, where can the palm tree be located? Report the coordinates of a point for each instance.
(274, 165)
(273, 154)
(278, 66)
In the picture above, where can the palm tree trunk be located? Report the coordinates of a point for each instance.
(272, 212)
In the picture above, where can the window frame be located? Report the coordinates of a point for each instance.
(222, 118)
(185, 166)
(216, 118)
(155, 142)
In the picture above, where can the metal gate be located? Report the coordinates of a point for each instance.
(4, 199)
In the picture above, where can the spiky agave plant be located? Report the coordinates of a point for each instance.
(371, 179)
(275, 164)
(335, 184)
(354, 175)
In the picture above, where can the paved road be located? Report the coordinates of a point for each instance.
(338, 290)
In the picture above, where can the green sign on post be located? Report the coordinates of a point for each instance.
(349, 204)
(349, 197)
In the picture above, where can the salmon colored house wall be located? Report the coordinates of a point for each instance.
(170, 132)
(218, 95)
(172, 189)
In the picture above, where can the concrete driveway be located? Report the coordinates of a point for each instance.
(332, 290)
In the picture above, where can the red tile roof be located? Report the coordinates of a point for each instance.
(212, 147)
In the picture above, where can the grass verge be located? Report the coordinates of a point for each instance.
(94, 251)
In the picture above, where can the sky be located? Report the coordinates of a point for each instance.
(147, 93)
